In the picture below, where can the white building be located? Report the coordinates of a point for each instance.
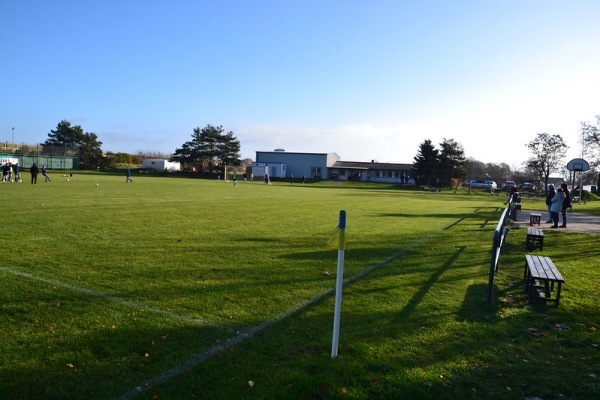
(284, 164)
(161, 164)
(274, 170)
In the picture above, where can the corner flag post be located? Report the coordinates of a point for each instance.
(340, 232)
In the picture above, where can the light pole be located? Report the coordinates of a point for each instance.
(13, 139)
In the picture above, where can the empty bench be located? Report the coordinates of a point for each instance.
(540, 277)
(535, 218)
(535, 239)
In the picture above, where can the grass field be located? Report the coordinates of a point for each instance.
(175, 288)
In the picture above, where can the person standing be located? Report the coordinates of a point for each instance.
(128, 176)
(45, 173)
(566, 204)
(16, 171)
(245, 177)
(5, 170)
(551, 194)
(556, 205)
(34, 173)
(234, 177)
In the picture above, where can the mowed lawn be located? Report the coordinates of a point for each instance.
(188, 288)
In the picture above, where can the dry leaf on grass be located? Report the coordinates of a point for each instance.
(536, 332)
(562, 327)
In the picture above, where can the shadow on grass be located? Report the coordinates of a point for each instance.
(424, 289)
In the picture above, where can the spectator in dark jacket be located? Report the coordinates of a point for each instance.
(566, 204)
(34, 173)
(551, 194)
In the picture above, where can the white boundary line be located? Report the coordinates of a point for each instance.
(116, 299)
(198, 358)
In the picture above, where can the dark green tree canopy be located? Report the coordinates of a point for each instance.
(451, 162)
(209, 148)
(439, 167)
(86, 143)
(425, 163)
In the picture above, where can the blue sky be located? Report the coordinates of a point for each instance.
(365, 79)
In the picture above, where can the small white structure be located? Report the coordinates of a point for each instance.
(161, 164)
(275, 170)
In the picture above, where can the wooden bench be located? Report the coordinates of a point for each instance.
(540, 277)
(535, 239)
(535, 218)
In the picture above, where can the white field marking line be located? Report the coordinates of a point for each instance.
(116, 299)
(198, 358)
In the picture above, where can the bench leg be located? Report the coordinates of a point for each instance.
(548, 289)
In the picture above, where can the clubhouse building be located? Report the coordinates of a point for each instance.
(282, 164)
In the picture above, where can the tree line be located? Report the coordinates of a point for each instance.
(208, 149)
(211, 149)
(446, 165)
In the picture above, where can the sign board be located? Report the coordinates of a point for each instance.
(578, 164)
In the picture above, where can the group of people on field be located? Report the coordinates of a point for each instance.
(35, 171)
(10, 172)
(558, 202)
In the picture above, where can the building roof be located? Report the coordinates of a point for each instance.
(293, 152)
(372, 165)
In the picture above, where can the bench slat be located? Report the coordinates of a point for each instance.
(543, 268)
(540, 275)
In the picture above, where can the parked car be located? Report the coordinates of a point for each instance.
(508, 185)
(481, 184)
(528, 186)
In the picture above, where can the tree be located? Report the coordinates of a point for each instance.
(87, 144)
(451, 162)
(425, 163)
(547, 154)
(209, 147)
(591, 139)
(90, 152)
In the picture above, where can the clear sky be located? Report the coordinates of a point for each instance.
(369, 80)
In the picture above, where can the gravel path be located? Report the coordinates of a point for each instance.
(576, 222)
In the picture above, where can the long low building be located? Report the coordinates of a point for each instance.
(283, 164)
(372, 172)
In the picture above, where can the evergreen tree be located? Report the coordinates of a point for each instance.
(451, 162)
(86, 144)
(426, 163)
(209, 147)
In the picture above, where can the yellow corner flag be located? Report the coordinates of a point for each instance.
(337, 240)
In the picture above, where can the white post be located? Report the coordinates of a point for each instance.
(338, 285)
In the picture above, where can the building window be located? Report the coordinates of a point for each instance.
(316, 170)
(342, 172)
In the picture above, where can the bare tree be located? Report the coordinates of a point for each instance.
(547, 154)
(590, 135)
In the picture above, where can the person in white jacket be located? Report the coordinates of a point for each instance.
(556, 206)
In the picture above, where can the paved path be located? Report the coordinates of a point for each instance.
(576, 222)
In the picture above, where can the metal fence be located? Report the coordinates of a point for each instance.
(499, 235)
(53, 157)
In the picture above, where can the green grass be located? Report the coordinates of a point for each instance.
(200, 287)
